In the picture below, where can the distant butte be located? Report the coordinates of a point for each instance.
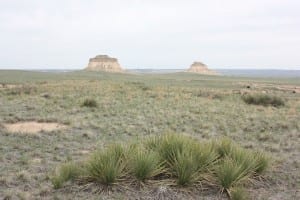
(200, 68)
(104, 63)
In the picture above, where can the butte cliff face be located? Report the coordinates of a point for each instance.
(200, 68)
(104, 63)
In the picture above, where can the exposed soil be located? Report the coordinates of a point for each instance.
(33, 127)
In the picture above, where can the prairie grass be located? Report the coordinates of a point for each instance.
(127, 111)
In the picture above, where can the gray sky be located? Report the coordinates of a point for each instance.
(150, 33)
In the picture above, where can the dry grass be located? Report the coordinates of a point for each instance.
(131, 107)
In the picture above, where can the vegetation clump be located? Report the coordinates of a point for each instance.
(174, 158)
(263, 99)
(67, 172)
(92, 103)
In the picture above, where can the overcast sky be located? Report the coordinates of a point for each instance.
(150, 33)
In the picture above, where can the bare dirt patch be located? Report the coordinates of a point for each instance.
(33, 127)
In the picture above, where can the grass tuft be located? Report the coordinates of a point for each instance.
(230, 173)
(185, 168)
(66, 172)
(107, 166)
(145, 164)
(92, 103)
(262, 162)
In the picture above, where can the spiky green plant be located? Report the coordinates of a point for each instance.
(262, 162)
(171, 145)
(224, 146)
(145, 164)
(107, 166)
(205, 156)
(245, 158)
(185, 168)
(230, 173)
(66, 172)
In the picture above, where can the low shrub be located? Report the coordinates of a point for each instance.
(92, 103)
(263, 99)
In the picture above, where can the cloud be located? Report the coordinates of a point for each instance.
(161, 34)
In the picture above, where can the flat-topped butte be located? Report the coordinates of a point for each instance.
(104, 63)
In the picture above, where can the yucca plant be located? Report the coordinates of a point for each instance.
(224, 146)
(66, 172)
(145, 164)
(230, 173)
(205, 156)
(107, 166)
(171, 145)
(244, 158)
(185, 168)
(262, 162)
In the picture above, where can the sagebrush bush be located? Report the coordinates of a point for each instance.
(263, 99)
(92, 103)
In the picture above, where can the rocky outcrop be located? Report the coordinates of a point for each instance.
(200, 68)
(104, 63)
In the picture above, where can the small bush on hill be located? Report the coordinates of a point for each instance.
(263, 99)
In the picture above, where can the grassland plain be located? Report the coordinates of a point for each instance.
(130, 107)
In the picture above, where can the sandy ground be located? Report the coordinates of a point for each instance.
(33, 127)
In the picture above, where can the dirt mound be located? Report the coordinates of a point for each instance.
(33, 127)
